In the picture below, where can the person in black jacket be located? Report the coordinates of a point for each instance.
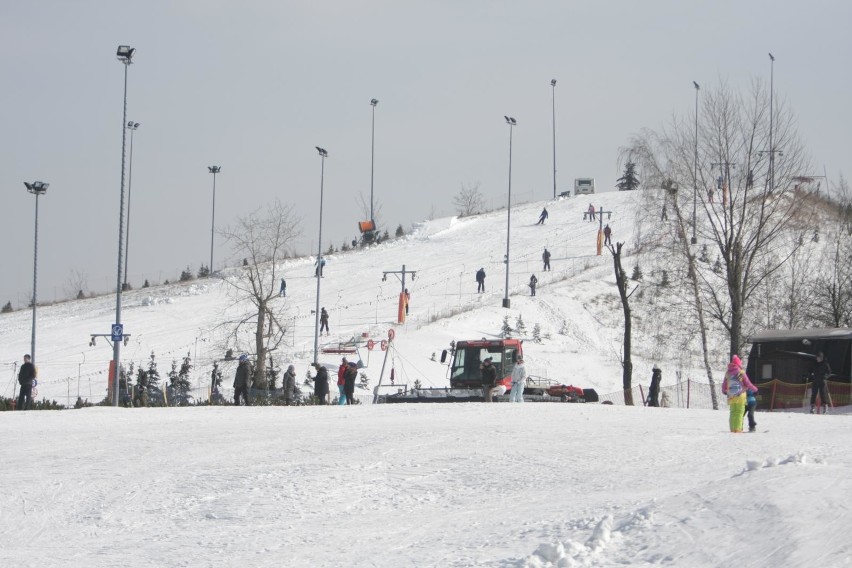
(821, 372)
(26, 376)
(241, 380)
(480, 280)
(321, 384)
(349, 376)
(654, 389)
(489, 378)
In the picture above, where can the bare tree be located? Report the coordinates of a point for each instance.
(752, 216)
(469, 200)
(627, 361)
(262, 240)
(832, 305)
(76, 284)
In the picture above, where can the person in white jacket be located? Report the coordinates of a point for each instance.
(519, 381)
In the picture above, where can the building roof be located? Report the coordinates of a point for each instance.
(796, 334)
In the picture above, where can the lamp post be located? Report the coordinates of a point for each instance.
(373, 103)
(323, 155)
(512, 123)
(213, 170)
(695, 170)
(553, 85)
(771, 123)
(124, 54)
(131, 126)
(37, 188)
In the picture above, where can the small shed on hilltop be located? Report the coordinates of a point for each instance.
(789, 355)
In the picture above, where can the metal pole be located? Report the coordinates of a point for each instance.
(214, 170)
(553, 84)
(129, 186)
(323, 154)
(506, 303)
(116, 345)
(771, 124)
(695, 171)
(35, 284)
(373, 102)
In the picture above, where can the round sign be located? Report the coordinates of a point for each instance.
(384, 345)
(391, 334)
(370, 344)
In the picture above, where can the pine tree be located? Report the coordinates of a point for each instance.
(145, 285)
(345, 246)
(506, 329)
(637, 273)
(400, 232)
(629, 181)
(7, 307)
(519, 325)
(153, 377)
(186, 275)
(80, 295)
(330, 249)
(536, 333)
(203, 271)
(272, 375)
(385, 235)
(171, 387)
(184, 383)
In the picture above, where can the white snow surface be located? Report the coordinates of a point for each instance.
(531, 485)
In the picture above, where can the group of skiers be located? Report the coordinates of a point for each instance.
(347, 374)
(493, 386)
(741, 393)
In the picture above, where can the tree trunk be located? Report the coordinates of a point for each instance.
(627, 363)
(260, 348)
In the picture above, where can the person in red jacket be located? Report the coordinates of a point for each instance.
(341, 382)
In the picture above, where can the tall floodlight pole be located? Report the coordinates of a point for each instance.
(37, 188)
(553, 85)
(213, 170)
(323, 155)
(125, 55)
(373, 103)
(771, 123)
(695, 170)
(512, 123)
(131, 126)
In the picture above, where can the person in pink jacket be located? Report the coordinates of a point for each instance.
(735, 385)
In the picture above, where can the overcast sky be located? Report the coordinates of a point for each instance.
(254, 86)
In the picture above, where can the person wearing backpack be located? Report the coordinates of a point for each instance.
(735, 385)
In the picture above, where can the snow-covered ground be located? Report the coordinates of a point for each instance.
(408, 485)
(422, 485)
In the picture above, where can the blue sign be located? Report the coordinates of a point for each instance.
(117, 332)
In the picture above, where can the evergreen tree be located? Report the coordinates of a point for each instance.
(536, 333)
(330, 249)
(186, 275)
(272, 374)
(629, 181)
(153, 377)
(203, 271)
(171, 387)
(145, 285)
(385, 235)
(7, 308)
(506, 329)
(400, 232)
(519, 325)
(183, 385)
(637, 273)
(345, 246)
(80, 295)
